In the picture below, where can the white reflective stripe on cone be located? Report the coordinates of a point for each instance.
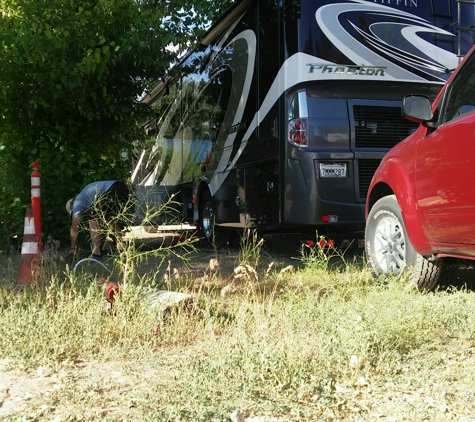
(29, 226)
(29, 248)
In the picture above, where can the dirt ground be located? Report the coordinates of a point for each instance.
(89, 391)
(198, 263)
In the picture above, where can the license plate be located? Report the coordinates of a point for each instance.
(332, 170)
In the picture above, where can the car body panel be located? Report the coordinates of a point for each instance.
(397, 171)
(444, 181)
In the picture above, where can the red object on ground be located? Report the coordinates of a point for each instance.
(36, 200)
(30, 261)
(110, 288)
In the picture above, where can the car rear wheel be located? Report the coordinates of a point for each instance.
(389, 250)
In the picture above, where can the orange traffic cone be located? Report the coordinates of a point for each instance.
(30, 261)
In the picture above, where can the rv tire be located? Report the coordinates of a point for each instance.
(209, 232)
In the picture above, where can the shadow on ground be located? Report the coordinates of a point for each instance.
(458, 274)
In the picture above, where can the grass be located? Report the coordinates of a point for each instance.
(309, 345)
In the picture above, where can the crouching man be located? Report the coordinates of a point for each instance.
(101, 203)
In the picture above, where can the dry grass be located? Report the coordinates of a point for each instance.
(306, 343)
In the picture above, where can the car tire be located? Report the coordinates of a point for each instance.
(389, 250)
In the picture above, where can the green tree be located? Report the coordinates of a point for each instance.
(72, 74)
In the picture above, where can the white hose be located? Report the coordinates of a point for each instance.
(89, 259)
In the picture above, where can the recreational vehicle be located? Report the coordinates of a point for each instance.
(279, 117)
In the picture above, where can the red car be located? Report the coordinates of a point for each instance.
(420, 206)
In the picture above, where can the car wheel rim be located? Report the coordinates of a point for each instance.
(390, 245)
(208, 216)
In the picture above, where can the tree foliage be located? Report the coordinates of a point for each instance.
(71, 77)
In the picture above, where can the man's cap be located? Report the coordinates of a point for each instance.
(69, 206)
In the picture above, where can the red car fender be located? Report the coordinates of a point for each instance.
(392, 173)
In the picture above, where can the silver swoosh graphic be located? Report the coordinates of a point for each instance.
(418, 53)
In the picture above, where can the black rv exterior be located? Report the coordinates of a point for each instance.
(279, 118)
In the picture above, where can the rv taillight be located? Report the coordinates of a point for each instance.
(297, 132)
(329, 218)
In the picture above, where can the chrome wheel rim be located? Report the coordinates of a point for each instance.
(208, 219)
(390, 245)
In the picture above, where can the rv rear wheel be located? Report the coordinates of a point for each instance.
(389, 250)
(212, 234)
